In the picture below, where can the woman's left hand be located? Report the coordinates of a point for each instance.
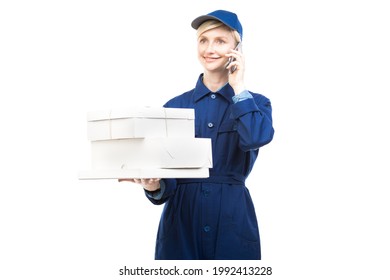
(236, 78)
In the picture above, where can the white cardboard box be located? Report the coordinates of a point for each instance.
(151, 153)
(141, 122)
(144, 173)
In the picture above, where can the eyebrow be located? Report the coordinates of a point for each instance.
(215, 38)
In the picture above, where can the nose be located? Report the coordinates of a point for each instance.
(210, 47)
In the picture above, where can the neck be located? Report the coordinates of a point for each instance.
(214, 81)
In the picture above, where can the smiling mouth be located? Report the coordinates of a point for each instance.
(211, 59)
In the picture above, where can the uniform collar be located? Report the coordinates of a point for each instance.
(201, 90)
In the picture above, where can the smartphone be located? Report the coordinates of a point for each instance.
(231, 59)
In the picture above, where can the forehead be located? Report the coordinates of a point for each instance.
(221, 31)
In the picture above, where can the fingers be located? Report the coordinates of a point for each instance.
(126, 180)
(237, 62)
(147, 182)
(237, 55)
(142, 181)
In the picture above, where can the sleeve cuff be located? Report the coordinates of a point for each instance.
(156, 195)
(242, 96)
(244, 107)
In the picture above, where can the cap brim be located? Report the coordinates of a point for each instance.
(199, 20)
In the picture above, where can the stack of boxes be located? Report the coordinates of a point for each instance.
(146, 142)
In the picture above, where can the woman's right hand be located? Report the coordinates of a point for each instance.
(151, 185)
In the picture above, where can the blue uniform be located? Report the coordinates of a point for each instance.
(214, 218)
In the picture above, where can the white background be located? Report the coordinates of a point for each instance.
(319, 188)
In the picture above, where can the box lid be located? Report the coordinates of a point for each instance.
(142, 112)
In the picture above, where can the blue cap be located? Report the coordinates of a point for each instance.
(228, 18)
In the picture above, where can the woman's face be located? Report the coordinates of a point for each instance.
(212, 47)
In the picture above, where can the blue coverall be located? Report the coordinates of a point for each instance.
(214, 218)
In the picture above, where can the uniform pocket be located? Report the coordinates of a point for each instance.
(228, 126)
(168, 221)
(226, 143)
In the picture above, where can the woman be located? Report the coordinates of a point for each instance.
(214, 218)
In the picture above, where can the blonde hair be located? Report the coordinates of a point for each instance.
(211, 24)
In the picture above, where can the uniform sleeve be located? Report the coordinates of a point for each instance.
(167, 189)
(254, 122)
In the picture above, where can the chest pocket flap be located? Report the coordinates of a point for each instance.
(228, 126)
